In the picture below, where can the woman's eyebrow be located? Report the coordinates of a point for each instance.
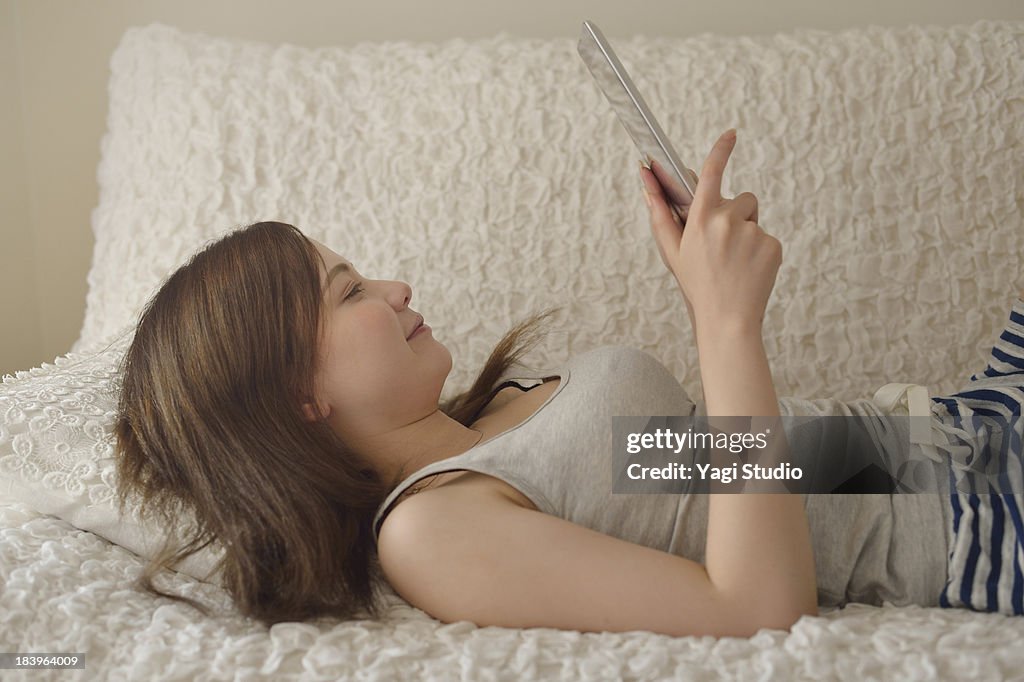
(335, 271)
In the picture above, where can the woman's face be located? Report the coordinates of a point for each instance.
(371, 378)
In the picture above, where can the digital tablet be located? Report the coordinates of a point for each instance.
(655, 150)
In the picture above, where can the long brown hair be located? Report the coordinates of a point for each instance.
(210, 423)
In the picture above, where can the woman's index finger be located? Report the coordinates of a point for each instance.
(709, 189)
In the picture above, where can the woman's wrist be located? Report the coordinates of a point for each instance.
(714, 329)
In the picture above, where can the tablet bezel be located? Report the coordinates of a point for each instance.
(626, 101)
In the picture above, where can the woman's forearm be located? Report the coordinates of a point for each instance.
(758, 548)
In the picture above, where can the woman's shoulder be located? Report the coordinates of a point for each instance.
(460, 492)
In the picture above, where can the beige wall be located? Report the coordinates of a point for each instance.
(20, 331)
(54, 56)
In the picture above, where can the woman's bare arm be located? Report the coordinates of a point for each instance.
(758, 545)
(756, 542)
(468, 553)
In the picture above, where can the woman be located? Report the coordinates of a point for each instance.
(291, 405)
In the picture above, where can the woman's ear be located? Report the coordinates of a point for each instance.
(309, 412)
(314, 411)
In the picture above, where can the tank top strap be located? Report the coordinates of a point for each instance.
(517, 370)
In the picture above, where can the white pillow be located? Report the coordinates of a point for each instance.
(57, 451)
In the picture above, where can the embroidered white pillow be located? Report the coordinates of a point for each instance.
(57, 451)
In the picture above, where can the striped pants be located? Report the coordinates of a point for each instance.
(983, 427)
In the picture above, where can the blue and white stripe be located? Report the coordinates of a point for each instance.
(987, 541)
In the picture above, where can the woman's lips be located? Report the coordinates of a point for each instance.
(415, 328)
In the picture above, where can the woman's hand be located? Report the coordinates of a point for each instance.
(676, 212)
(724, 262)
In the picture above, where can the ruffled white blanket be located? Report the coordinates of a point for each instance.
(66, 590)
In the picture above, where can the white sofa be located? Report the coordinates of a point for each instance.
(493, 177)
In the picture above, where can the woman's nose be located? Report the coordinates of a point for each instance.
(401, 294)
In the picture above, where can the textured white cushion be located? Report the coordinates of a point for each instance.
(493, 176)
(57, 450)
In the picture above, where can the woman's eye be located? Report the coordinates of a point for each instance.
(358, 288)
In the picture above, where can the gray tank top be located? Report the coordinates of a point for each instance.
(867, 548)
